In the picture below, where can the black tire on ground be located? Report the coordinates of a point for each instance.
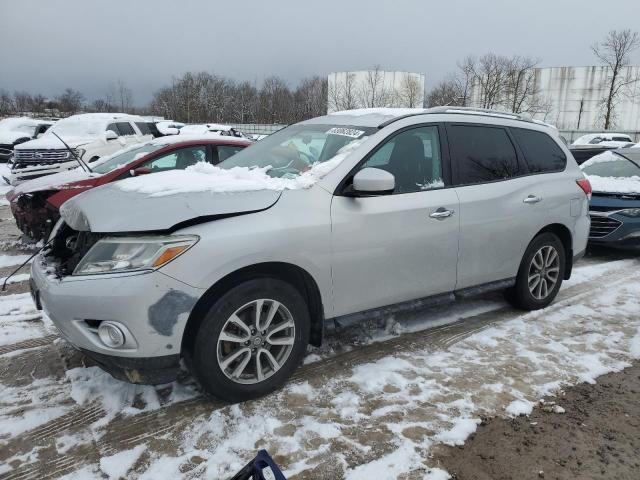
(203, 356)
(520, 295)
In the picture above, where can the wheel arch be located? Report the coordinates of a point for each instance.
(292, 274)
(564, 234)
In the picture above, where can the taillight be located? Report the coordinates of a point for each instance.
(585, 185)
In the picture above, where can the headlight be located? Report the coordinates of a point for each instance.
(630, 212)
(80, 152)
(120, 254)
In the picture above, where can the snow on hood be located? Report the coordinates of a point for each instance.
(10, 136)
(615, 184)
(53, 182)
(50, 141)
(603, 157)
(204, 177)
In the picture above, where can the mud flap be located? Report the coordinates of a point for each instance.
(262, 467)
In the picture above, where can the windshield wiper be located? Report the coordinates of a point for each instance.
(84, 166)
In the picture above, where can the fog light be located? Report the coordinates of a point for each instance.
(111, 335)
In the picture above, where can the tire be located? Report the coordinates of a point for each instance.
(534, 296)
(211, 357)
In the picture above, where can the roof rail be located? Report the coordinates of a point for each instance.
(468, 111)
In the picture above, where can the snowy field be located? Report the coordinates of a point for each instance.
(371, 403)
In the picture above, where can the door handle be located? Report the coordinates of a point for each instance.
(532, 199)
(441, 213)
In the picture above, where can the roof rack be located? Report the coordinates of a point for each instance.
(468, 111)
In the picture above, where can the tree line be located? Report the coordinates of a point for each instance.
(488, 81)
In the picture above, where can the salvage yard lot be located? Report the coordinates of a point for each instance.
(371, 403)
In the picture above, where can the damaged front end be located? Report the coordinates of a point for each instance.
(34, 216)
(67, 247)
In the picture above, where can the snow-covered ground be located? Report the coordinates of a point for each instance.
(372, 403)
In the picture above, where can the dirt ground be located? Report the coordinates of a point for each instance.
(598, 437)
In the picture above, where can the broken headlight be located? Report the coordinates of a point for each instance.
(126, 254)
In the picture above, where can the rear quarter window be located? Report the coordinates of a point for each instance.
(541, 153)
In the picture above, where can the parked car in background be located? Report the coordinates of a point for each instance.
(214, 128)
(35, 203)
(14, 131)
(354, 214)
(615, 204)
(169, 127)
(90, 136)
(605, 139)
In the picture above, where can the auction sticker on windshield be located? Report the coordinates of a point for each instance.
(346, 132)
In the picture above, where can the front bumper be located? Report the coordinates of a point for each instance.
(625, 233)
(151, 308)
(35, 222)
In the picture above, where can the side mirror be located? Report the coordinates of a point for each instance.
(373, 181)
(134, 172)
(111, 135)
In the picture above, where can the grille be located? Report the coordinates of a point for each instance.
(602, 226)
(43, 156)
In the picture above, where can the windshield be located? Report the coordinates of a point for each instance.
(18, 125)
(295, 149)
(73, 127)
(610, 165)
(128, 156)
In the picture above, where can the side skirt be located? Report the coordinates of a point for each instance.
(421, 303)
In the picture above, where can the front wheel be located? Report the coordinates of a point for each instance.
(251, 340)
(540, 274)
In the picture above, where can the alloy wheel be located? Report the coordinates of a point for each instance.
(544, 270)
(256, 341)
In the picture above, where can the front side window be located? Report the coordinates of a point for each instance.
(125, 128)
(482, 154)
(295, 149)
(178, 159)
(541, 153)
(413, 157)
(114, 128)
(144, 128)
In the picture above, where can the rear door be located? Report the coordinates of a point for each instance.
(501, 208)
(221, 152)
(402, 246)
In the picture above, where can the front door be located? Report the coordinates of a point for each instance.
(403, 246)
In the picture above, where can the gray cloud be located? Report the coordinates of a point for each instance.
(46, 45)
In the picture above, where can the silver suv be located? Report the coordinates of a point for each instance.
(357, 213)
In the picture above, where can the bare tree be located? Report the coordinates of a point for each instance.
(6, 102)
(411, 91)
(343, 95)
(464, 80)
(70, 101)
(22, 101)
(615, 52)
(520, 87)
(373, 91)
(489, 78)
(446, 93)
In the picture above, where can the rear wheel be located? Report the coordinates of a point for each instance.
(540, 274)
(251, 340)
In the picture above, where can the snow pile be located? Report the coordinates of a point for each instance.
(17, 315)
(118, 465)
(204, 177)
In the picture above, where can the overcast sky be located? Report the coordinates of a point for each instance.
(48, 45)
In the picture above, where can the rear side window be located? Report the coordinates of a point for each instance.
(225, 151)
(541, 153)
(482, 154)
(144, 128)
(125, 128)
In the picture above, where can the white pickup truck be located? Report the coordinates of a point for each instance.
(89, 135)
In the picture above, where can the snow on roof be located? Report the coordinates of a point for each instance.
(384, 112)
(8, 123)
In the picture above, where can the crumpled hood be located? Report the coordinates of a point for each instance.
(7, 137)
(50, 141)
(108, 209)
(57, 181)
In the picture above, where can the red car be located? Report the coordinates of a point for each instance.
(35, 203)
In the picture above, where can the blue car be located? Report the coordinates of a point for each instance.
(615, 202)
